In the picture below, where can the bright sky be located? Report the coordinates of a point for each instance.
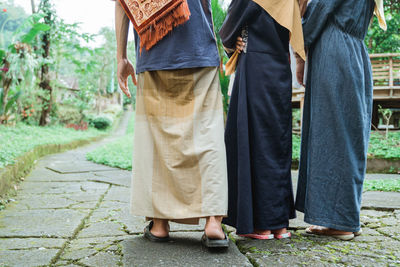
(93, 14)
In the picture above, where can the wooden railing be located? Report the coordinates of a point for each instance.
(386, 77)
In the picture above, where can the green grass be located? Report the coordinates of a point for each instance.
(117, 153)
(385, 185)
(296, 146)
(15, 141)
(380, 147)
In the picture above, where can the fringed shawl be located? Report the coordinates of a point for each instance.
(153, 20)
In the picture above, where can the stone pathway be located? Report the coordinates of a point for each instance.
(71, 212)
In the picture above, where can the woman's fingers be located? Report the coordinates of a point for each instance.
(300, 72)
(240, 45)
(134, 78)
(123, 84)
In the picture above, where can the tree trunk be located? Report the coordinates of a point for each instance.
(33, 6)
(45, 78)
(6, 88)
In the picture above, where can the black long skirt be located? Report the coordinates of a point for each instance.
(258, 140)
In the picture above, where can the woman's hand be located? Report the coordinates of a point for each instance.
(240, 44)
(303, 7)
(124, 70)
(300, 70)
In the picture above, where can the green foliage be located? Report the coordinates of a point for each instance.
(101, 122)
(68, 114)
(117, 153)
(296, 141)
(219, 15)
(379, 41)
(15, 141)
(6, 106)
(385, 148)
(224, 80)
(385, 185)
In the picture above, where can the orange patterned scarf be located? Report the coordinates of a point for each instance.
(154, 19)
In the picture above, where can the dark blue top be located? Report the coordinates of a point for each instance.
(189, 45)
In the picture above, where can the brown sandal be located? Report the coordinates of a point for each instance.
(320, 230)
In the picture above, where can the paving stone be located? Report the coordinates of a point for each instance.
(390, 221)
(187, 227)
(27, 258)
(102, 259)
(62, 188)
(30, 243)
(375, 213)
(44, 201)
(295, 244)
(380, 176)
(393, 231)
(133, 224)
(113, 205)
(39, 223)
(120, 177)
(184, 250)
(78, 254)
(298, 223)
(100, 215)
(97, 243)
(118, 193)
(369, 232)
(77, 167)
(106, 228)
(381, 200)
(362, 261)
(46, 175)
(286, 260)
(88, 196)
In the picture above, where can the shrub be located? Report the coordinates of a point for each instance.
(68, 114)
(114, 110)
(101, 122)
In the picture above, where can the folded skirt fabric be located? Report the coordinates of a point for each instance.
(179, 162)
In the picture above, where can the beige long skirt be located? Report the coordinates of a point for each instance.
(179, 162)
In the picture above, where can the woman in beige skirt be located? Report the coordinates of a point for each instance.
(179, 162)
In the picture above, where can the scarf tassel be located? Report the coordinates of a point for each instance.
(175, 15)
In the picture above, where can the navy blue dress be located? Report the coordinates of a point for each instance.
(258, 133)
(337, 113)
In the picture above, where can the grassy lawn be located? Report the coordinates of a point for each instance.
(117, 153)
(15, 141)
(380, 147)
(386, 185)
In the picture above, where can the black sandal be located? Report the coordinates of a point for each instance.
(215, 243)
(153, 238)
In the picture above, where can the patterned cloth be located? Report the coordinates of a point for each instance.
(179, 163)
(154, 19)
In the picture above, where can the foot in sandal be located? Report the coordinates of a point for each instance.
(281, 233)
(320, 230)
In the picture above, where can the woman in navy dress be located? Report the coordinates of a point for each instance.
(337, 116)
(258, 134)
